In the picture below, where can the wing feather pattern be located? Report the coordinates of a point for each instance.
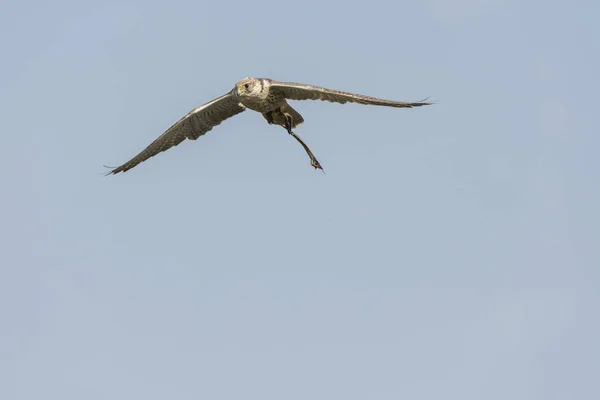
(191, 126)
(299, 91)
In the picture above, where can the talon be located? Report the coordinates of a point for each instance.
(316, 164)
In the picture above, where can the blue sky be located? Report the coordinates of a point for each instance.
(450, 252)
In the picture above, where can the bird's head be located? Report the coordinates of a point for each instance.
(248, 87)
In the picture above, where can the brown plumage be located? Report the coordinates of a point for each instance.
(263, 95)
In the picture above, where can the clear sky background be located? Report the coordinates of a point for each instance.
(451, 251)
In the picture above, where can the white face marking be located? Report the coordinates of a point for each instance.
(249, 87)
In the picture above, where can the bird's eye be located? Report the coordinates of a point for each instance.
(247, 86)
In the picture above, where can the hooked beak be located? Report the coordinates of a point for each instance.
(235, 91)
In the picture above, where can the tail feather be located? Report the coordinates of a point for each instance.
(278, 118)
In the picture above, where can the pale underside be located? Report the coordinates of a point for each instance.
(270, 96)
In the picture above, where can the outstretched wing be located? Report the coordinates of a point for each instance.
(299, 91)
(193, 125)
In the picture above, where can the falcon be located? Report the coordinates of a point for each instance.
(266, 96)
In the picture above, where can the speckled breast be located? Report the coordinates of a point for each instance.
(263, 104)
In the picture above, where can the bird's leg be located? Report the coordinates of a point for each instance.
(288, 126)
(288, 122)
(269, 117)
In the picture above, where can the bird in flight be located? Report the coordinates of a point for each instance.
(265, 96)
